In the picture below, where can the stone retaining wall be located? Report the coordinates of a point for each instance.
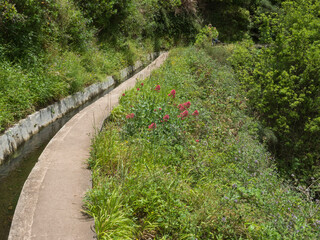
(26, 128)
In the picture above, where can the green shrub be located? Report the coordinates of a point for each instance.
(282, 82)
(203, 38)
(105, 15)
(32, 27)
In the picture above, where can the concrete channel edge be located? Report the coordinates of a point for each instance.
(26, 128)
(49, 207)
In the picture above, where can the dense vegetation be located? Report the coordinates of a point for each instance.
(179, 159)
(52, 48)
(283, 85)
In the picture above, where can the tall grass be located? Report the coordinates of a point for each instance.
(26, 87)
(200, 176)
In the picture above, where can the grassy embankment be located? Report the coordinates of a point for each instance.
(25, 88)
(51, 49)
(161, 172)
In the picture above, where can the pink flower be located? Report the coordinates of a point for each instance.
(157, 88)
(195, 113)
(184, 114)
(197, 140)
(172, 93)
(181, 107)
(131, 115)
(138, 89)
(187, 104)
(160, 109)
(166, 118)
(142, 84)
(152, 125)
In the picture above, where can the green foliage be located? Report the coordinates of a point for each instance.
(140, 19)
(201, 177)
(56, 75)
(221, 53)
(232, 18)
(105, 15)
(111, 224)
(282, 82)
(20, 92)
(163, 19)
(203, 38)
(30, 27)
(57, 47)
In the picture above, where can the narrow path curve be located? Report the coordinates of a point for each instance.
(49, 207)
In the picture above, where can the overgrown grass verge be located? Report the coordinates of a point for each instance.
(189, 165)
(25, 88)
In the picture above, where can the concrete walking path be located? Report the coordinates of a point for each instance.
(49, 207)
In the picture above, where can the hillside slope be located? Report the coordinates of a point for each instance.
(180, 159)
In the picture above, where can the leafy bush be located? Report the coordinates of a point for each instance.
(200, 176)
(203, 38)
(105, 15)
(282, 82)
(31, 27)
(232, 18)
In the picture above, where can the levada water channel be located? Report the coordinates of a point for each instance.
(16, 169)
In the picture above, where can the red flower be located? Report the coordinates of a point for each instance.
(138, 89)
(187, 104)
(195, 113)
(157, 88)
(142, 84)
(123, 94)
(172, 93)
(152, 125)
(181, 107)
(184, 114)
(131, 115)
(166, 118)
(160, 109)
(197, 140)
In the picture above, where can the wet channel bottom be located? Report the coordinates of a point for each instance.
(17, 168)
(11, 186)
